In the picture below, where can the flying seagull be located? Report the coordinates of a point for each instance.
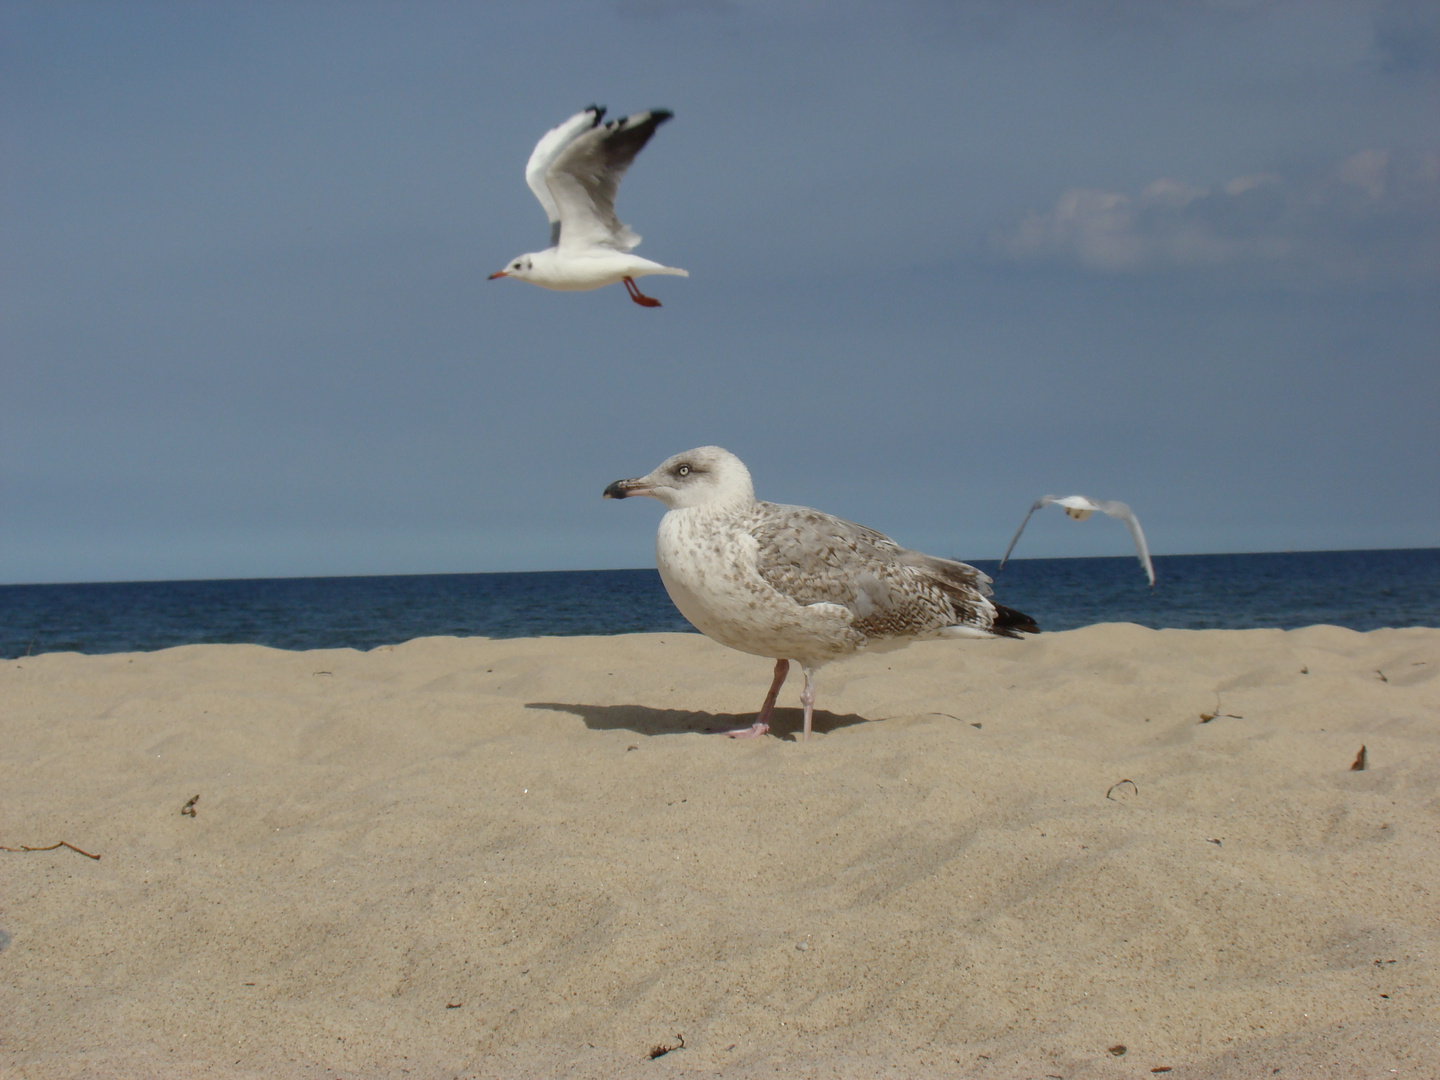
(796, 584)
(575, 171)
(1080, 508)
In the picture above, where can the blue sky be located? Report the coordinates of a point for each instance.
(945, 258)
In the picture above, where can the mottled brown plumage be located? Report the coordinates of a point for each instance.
(815, 558)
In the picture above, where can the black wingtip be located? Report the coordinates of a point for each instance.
(599, 111)
(1011, 623)
(649, 120)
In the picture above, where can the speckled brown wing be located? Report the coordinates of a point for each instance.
(893, 592)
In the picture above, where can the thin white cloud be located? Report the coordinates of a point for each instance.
(1373, 219)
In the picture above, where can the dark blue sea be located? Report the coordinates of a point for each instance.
(1362, 590)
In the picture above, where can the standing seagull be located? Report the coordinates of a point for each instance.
(1080, 508)
(575, 171)
(796, 584)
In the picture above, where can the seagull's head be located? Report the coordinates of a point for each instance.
(699, 477)
(521, 268)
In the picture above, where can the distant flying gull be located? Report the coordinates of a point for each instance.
(1080, 508)
(796, 584)
(574, 172)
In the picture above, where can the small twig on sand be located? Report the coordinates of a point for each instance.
(1361, 762)
(1206, 717)
(1117, 784)
(52, 847)
(661, 1050)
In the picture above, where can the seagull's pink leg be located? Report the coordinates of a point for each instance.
(639, 297)
(807, 698)
(762, 720)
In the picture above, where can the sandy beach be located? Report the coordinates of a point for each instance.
(497, 858)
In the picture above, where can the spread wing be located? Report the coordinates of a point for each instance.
(585, 175)
(1125, 514)
(814, 558)
(1045, 500)
(550, 146)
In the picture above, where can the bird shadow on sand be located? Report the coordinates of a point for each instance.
(784, 723)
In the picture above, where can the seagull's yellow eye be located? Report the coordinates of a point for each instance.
(683, 470)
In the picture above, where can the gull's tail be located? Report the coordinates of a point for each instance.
(1011, 623)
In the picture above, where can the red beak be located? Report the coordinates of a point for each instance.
(497, 273)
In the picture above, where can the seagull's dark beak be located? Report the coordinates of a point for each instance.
(623, 489)
(497, 273)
